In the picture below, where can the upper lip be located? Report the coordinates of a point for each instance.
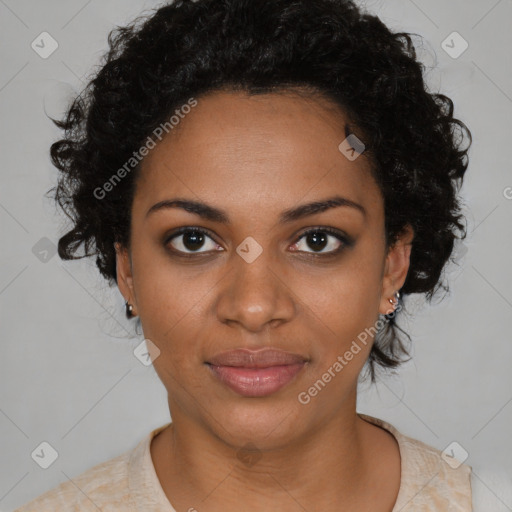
(262, 358)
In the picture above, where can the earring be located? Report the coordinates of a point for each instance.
(395, 302)
(129, 310)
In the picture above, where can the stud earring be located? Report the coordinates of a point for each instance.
(129, 310)
(395, 302)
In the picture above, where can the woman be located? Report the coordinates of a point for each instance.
(264, 182)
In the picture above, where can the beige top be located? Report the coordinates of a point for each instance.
(129, 482)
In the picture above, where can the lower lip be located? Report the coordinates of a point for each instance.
(256, 382)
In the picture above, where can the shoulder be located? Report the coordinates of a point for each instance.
(98, 488)
(431, 479)
(435, 479)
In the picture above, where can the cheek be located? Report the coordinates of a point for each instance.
(176, 325)
(348, 298)
(175, 309)
(342, 311)
(169, 296)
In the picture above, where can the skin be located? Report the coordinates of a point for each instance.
(255, 157)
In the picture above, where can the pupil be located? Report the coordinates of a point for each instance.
(193, 240)
(318, 238)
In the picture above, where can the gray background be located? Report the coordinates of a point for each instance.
(68, 375)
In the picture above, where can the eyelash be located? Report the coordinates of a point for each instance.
(346, 241)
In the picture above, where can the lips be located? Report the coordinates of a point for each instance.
(256, 373)
(263, 358)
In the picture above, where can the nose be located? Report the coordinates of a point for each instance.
(256, 295)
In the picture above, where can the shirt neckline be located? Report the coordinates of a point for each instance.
(145, 488)
(422, 464)
(405, 472)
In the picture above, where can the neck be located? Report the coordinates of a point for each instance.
(318, 471)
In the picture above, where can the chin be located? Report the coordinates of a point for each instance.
(266, 424)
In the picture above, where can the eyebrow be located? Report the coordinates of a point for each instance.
(216, 215)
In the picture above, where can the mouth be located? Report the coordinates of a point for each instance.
(256, 373)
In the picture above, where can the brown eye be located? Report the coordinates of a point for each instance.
(191, 240)
(319, 239)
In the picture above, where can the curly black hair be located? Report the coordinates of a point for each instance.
(328, 47)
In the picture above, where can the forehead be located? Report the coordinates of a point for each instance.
(263, 150)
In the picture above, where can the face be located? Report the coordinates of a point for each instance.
(259, 270)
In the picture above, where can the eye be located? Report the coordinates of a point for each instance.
(188, 240)
(322, 238)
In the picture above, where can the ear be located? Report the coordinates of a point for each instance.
(124, 274)
(396, 268)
